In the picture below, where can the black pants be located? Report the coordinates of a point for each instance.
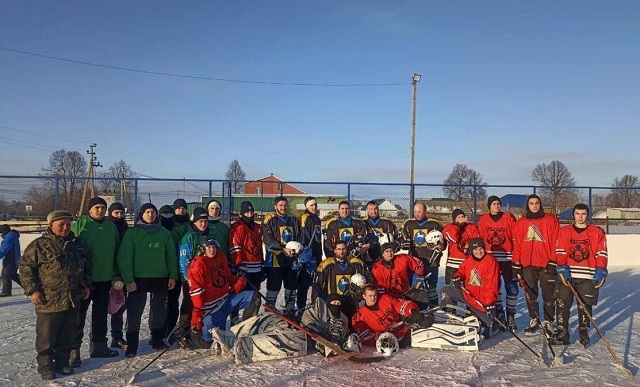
(564, 298)
(534, 277)
(100, 299)
(184, 322)
(136, 301)
(451, 296)
(9, 273)
(173, 307)
(117, 320)
(277, 276)
(55, 333)
(304, 283)
(347, 306)
(448, 274)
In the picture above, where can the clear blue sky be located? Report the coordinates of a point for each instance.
(505, 85)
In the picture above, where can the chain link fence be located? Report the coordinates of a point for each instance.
(23, 198)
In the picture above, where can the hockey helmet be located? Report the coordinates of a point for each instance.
(434, 238)
(357, 283)
(386, 241)
(387, 344)
(294, 246)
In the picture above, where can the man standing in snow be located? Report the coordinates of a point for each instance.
(10, 255)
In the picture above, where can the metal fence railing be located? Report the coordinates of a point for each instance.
(33, 197)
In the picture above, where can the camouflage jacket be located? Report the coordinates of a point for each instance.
(59, 268)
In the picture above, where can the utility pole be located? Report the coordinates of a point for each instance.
(123, 184)
(90, 177)
(415, 79)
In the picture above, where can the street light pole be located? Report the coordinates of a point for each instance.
(415, 79)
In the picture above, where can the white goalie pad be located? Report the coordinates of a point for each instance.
(449, 332)
(260, 323)
(272, 345)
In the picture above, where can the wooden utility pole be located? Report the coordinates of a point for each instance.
(90, 177)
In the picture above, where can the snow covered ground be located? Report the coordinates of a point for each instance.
(502, 361)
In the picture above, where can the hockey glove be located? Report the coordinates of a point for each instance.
(564, 273)
(491, 311)
(435, 257)
(516, 270)
(551, 269)
(599, 277)
(353, 343)
(405, 245)
(457, 282)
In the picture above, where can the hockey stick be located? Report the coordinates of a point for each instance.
(495, 319)
(526, 288)
(584, 308)
(130, 381)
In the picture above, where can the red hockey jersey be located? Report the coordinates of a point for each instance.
(246, 246)
(458, 237)
(397, 280)
(210, 283)
(379, 318)
(480, 278)
(583, 250)
(534, 241)
(497, 232)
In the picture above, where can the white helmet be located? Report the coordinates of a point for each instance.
(386, 238)
(295, 246)
(387, 344)
(356, 283)
(434, 238)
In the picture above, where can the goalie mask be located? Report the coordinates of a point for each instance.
(387, 344)
(434, 240)
(387, 241)
(357, 283)
(295, 247)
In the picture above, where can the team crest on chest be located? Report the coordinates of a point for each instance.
(346, 234)
(286, 234)
(474, 278)
(342, 283)
(579, 249)
(495, 236)
(533, 234)
(419, 238)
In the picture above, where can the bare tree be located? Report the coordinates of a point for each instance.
(557, 183)
(462, 183)
(237, 176)
(625, 192)
(69, 167)
(118, 180)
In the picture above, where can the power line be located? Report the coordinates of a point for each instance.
(33, 143)
(199, 77)
(42, 135)
(25, 146)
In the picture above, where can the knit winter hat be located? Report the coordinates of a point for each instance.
(4, 229)
(246, 206)
(96, 200)
(57, 215)
(213, 203)
(179, 203)
(115, 206)
(210, 241)
(199, 213)
(455, 214)
(146, 206)
(476, 242)
(166, 209)
(492, 199)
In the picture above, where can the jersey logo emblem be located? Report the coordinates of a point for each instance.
(286, 233)
(388, 318)
(533, 234)
(219, 277)
(419, 238)
(495, 236)
(342, 283)
(346, 235)
(579, 250)
(474, 278)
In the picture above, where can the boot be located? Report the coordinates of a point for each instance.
(157, 342)
(100, 349)
(74, 358)
(584, 336)
(511, 322)
(65, 370)
(118, 342)
(132, 343)
(533, 328)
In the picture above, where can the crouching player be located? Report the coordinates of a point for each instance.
(215, 293)
(476, 284)
(384, 313)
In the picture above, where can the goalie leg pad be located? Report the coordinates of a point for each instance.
(449, 332)
(274, 345)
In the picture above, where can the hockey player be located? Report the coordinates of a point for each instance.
(476, 284)
(382, 313)
(217, 228)
(496, 229)
(393, 274)
(277, 229)
(347, 229)
(377, 226)
(332, 281)
(458, 234)
(216, 293)
(414, 235)
(245, 237)
(534, 260)
(581, 252)
(311, 238)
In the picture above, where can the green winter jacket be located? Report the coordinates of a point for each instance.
(147, 251)
(59, 268)
(220, 231)
(103, 241)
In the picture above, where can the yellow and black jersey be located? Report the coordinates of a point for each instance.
(375, 228)
(341, 229)
(333, 277)
(276, 232)
(311, 234)
(416, 233)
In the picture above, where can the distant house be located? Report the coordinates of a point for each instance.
(324, 209)
(271, 185)
(386, 209)
(619, 213)
(514, 200)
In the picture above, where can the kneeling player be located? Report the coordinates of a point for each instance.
(216, 293)
(382, 313)
(476, 284)
(393, 273)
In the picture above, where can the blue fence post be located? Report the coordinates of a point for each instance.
(412, 198)
(230, 201)
(135, 196)
(56, 200)
(590, 204)
(534, 192)
(475, 202)
(349, 192)
(210, 193)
